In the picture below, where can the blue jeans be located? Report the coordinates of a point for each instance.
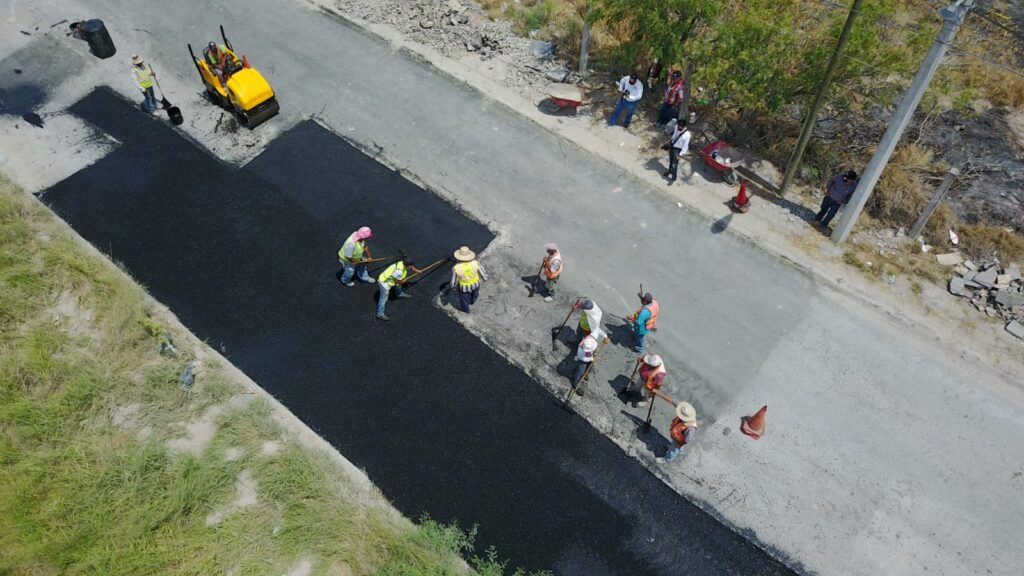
(639, 346)
(150, 103)
(626, 105)
(667, 112)
(350, 271)
(385, 290)
(671, 454)
(467, 299)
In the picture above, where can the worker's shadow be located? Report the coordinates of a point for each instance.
(621, 334)
(655, 442)
(566, 336)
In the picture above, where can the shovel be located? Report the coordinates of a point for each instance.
(558, 329)
(173, 112)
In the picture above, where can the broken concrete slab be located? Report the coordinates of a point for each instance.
(1004, 279)
(1013, 270)
(1009, 298)
(949, 259)
(956, 286)
(961, 270)
(986, 278)
(1015, 328)
(970, 265)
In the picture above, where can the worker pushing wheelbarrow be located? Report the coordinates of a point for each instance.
(724, 159)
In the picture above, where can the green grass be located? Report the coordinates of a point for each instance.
(84, 493)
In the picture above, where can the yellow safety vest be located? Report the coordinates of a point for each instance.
(357, 251)
(387, 276)
(143, 77)
(468, 273)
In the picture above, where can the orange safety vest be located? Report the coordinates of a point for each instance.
(650, 385)
(654, 308)
(678, 431)
(548, 272)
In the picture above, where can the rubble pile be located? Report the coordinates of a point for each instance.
(997, 291)
(458, 28)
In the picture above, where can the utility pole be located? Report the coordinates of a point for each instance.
(585, 41)
(934, 202)
(812, 116)
(953, 16)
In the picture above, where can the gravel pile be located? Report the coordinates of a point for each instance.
(997, 291)
(457, 28)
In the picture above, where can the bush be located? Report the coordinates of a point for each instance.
(981, 242)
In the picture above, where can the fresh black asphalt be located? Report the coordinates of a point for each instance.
(441, 423)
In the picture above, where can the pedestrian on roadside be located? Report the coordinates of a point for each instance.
(351, 256)
(631, 91)
(681, 430)
(586, 353)
(837, 193)
(678, 147)
(652, 376)
(143, 76)
(673, 96)
(590, 318)
(552, 269)
(392, 278)
(644, 320)
(466, 277)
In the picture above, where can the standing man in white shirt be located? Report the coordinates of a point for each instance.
(631, 91)
(678, 147)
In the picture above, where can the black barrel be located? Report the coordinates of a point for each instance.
(95, 33)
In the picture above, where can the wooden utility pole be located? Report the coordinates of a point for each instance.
(819, 100)
(934, 202)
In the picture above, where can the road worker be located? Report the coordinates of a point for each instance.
(681, 430)
(590, 318)
(217, 57)
(392, 278)
(644, 320)
(466, 276)
(651, 374)
(144, 78)
(586, 353)
(552, 269)
(353, 255)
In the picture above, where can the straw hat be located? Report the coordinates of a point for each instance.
(589, 344)
(464, 254)
(686, 413)
(136, 59)
(652, 360)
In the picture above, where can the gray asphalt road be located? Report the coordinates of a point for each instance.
(875, 445)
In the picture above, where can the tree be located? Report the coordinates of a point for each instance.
(654, 28)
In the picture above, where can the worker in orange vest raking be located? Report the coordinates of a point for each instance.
(681, 430)
(466, 276)
(652, 374)
(552, 268)
(644, 320)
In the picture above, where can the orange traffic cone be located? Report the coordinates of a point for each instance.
(741, 203)
(245, 61)
(753, 426)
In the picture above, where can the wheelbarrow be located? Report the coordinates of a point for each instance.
(562, 97)
(724, 159)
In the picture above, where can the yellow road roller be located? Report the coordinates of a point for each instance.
(234, 85)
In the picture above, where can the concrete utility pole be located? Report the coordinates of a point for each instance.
(812, 116)
(934, 202)
(585, 41)
(953, 16)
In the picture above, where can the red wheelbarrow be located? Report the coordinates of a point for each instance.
(562, 97)
(723, 159)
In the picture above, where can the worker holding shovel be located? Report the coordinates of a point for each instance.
(144, 78)
(652, 376)
(353, 256)
(586, 353)
(392, 278)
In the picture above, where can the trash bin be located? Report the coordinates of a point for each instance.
(95, 33)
